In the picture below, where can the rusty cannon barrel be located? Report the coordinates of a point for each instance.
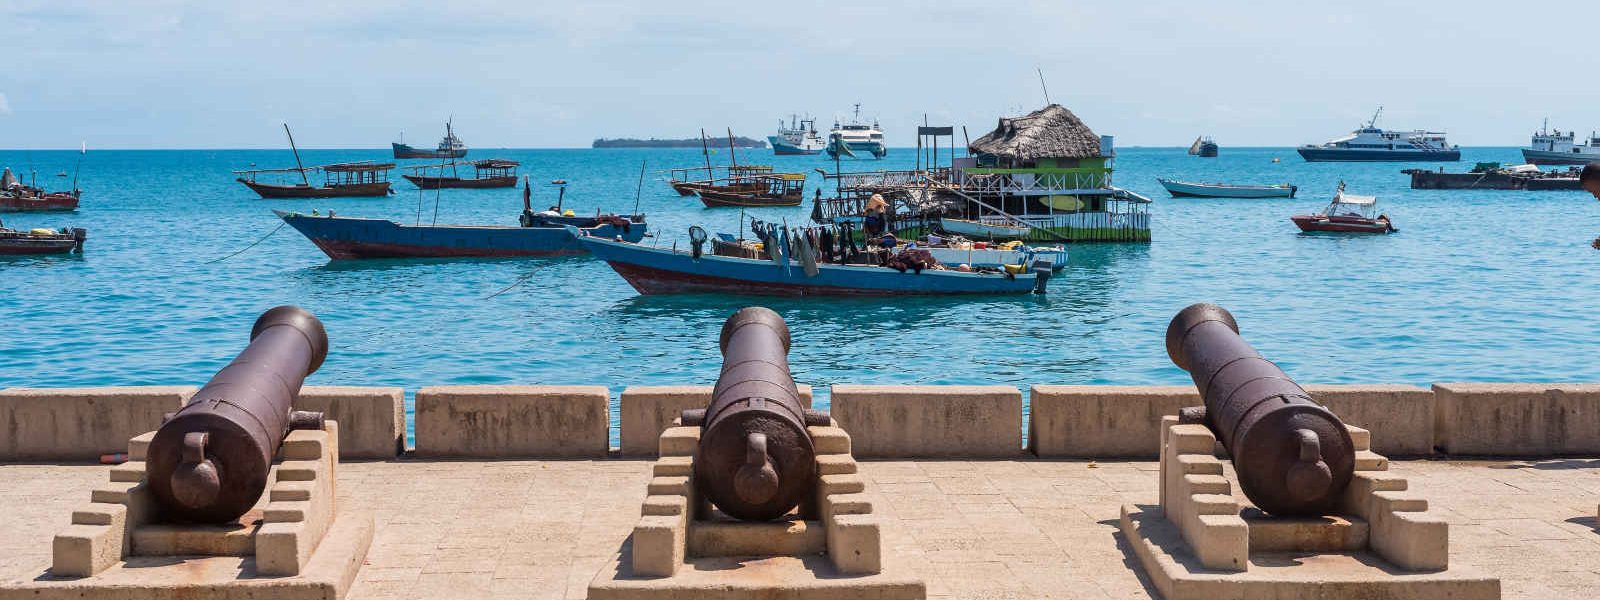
(1292, 455)
(209, 461)
(756, 460)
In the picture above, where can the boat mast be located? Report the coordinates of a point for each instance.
(299, 166)
(705, 151)
(733, 159)
(83, 148)
(1374, 122)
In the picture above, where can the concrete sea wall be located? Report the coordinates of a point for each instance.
(1062, 421)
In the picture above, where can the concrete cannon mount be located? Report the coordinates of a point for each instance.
(831, 549)
(293, 544)
(1199, 544)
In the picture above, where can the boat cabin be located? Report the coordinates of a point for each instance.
(355, 173)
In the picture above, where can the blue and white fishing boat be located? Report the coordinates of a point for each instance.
(671, 271)
(539, 234)
(1187, 189)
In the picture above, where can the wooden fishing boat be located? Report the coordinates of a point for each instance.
(781, 189)
(1346, 214)
(487, 173)
(980, 230)
(349, 238)
(1187, 189)
(340, 180)
(42, 241)
(669, 271)
(17, 197)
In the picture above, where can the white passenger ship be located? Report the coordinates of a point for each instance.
(1369, 143)
(853, 138)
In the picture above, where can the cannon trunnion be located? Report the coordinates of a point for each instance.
(208, 463)
(1292, 455)
(756, 460)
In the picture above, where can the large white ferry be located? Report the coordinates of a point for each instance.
(799, 136)
(853, 138)
(1369, 143)
(1554, 147)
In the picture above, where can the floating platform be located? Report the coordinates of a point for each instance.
(1533, 181)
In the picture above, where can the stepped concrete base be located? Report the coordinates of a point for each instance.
(329, 574)
(1178, 575)
(810, 577)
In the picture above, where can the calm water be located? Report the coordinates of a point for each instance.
(1479, 285)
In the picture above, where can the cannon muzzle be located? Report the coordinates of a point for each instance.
(756, 460)
(209, 461)
(1292, 455)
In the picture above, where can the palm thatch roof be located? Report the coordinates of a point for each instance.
(1050, 132)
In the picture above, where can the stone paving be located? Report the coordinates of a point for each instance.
(971, 529)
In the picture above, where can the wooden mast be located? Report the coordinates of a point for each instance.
(733, 159)
(705, 150)
(298, 165)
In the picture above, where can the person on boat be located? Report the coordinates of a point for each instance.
(874, 221)
(550, 212)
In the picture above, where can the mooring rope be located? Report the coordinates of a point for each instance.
(516, 283)
(252, 245)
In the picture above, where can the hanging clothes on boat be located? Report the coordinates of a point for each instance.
(806, 253)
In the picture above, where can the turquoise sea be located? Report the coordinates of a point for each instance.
(1477, 286)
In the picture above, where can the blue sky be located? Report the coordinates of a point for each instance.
(224, 74)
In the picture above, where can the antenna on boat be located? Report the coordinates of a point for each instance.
(301, 166)
(638, 191)
(1042, 86)
(83, 148)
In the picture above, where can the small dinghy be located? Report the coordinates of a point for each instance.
(1186, 189)
(1346, 214)
(979, 230)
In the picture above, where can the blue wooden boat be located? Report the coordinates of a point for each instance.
(669, 271)
(348, 238)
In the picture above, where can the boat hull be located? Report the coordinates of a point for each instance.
(343, 238)
(406, 151)
(657, 271)
(983, 231)
(22, 243)
(360, 190)
(1326, 224)
(434, 183)
(876, 149)
(1319, 154)
(1183, 189)
(45, 203)
(1422, 179)
(1546, 157)
(718, 198)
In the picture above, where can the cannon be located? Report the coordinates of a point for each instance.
(1292, 455)
(756, 460)
(208, 462)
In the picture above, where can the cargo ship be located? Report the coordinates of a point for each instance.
(798, 138)
(1554, 147)
(1368, 143)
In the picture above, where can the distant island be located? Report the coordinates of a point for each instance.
(738, 142)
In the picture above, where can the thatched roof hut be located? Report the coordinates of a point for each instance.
(1050, 132)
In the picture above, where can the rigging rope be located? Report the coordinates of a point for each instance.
(252, 244)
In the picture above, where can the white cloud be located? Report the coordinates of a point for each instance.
(5, 107)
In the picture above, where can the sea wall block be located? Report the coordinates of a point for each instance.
(80, 424)
(1400, 417)
(372, 420)
(486, 421)
(648, 410)
(904, 421)
(1102, 421)
(1517, 419)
